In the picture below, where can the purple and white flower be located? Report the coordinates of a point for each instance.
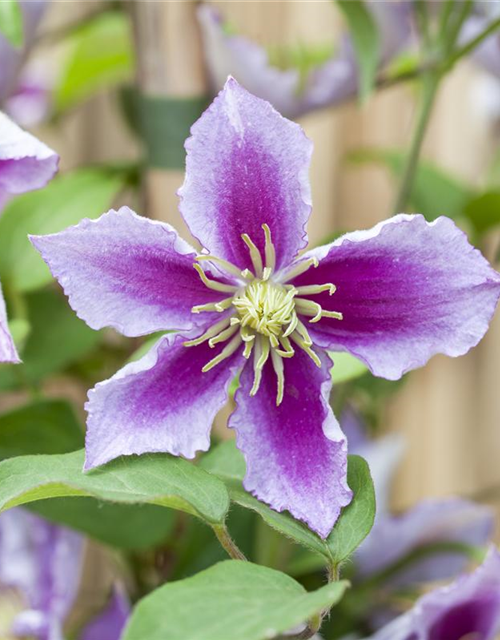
(467, 608)
(251, 302)
(449, 525)
(25, 164)
(327, 84)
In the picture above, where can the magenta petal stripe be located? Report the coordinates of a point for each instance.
(296, 454)
(161, 403)
(127, 272)
(407, 289)
(246, 165)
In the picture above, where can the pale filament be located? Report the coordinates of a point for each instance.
(262, 313)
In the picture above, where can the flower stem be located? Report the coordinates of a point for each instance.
(429, 91)
(227, 542)
(473, 43)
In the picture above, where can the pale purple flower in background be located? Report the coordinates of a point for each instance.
(467, 609)
(431, 521)
(436, 520)
(327, 84)
(12, 59)
(40, 572)
(403, 291)
(30, 103)
(42, 563)
(25, 164)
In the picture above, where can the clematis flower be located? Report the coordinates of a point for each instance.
(41, 563)
(12, 59)
(393, 296)
(291, 90)
(25, 164)
(40, 572)
(468, 608)
(445, 520)
(435, 520)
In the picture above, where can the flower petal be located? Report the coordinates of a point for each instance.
(296, 454)
(469, 607)
(430, 521)
(43, 561)
(125, 271)
(25, 162)
(110, 622)
(161, 403)
(246, 165)
(408, 289)
(8, 352)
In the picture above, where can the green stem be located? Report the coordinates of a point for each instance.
(429, 91)
(472, 44)
(227, 542)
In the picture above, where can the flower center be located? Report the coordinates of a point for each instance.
(263, 311)
(266, 307)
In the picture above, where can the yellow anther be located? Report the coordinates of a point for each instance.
(223, 336)
(255, 256)
(220, 306)
(212, 284)
(288, 351)
(210, 333)
(224, 264)
(299, 268)
(228, 350)
(269, 250)
(312, 289)
(305, 347)
(260, 356)
(280, 375)
(308, 308)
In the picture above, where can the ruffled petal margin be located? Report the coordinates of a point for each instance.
(407, 289)
(246, 165)
(127, 272)
(160, 403)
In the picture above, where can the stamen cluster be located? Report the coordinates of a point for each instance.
(265, 313)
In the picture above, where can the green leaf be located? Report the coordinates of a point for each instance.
(148, 479)
(51, 426)
(232, 599)
(227, 462)
(58, 337)
(366, 41)
(11, 22)
(119, 525)
(356, 520)
(346, 367)
(483, 212)
(46, 426)
(85, 193)
(101, 57)
(435, 193)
